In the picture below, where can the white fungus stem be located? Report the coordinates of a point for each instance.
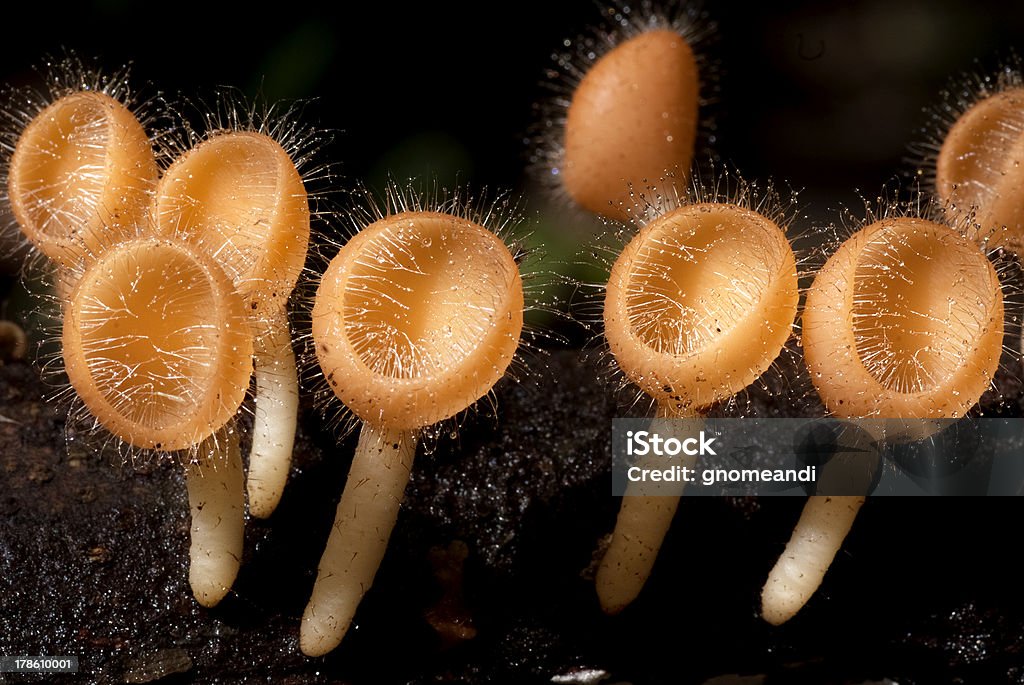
(643, 522)
(798, 573)
(366, 515)
(216, 496)
(277, 406)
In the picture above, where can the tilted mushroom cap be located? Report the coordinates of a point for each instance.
(238, 195)
(980, 166)
(157, 344)
(632, 119)
(905, 320)
(81, 175)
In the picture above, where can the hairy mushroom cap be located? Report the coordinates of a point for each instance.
(981, 165)
(417, 317)
(905, 320)
(700, 303)
(238, 196)
(632, 118)
(81, 174)
(157, 344)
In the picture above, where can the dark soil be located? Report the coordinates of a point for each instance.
(485, 580)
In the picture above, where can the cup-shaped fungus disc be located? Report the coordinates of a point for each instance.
(981, 164)
(632, 118)
(905, 320)
(157, 344)
(700, 303)
(417, 317)
(81, 174)
(239, 196)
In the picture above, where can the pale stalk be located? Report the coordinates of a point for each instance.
(798, 573)
(826, 520)
(277, 407)
(366, 515)
(642, 523)
(216, 496)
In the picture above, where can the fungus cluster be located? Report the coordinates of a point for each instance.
(158, 279)
(174, 286)
(904, 321)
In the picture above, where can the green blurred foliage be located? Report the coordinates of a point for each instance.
(295, 67)
(427, 157)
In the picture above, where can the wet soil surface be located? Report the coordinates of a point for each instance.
(486, 576)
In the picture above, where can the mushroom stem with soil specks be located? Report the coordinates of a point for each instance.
(216, 499)
(818, 535)
(644, 519)
(359, 537)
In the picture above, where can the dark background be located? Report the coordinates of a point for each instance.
(826, 96)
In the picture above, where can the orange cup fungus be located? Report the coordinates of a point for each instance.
(904, 321)
(631, 120)
(980, 166)
(157, 344)
(698, 305)
(416, 318)
(80, 176)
